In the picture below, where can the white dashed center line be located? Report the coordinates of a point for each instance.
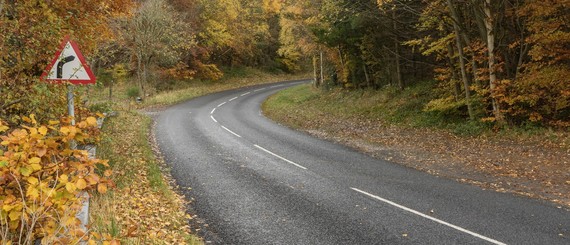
(213, 110)
(234, 98)
(214, 119)
(232, 132)
(429, 217)
(257, 90)
(245, 94)
(221, 104)
(280, 157)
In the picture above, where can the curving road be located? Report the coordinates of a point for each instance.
(256, 182)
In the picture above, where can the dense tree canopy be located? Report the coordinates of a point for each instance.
(503, 61)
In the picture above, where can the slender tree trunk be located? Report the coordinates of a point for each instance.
(489, 23)
(316, 79)
(368, 81)
(459, 44)
(397, 50)
(322, 70)
(454, 77)
(140, 73)
(474, 66)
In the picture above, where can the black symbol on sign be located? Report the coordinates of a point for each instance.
(60, 65)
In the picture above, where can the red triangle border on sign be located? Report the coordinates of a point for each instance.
(91, 80)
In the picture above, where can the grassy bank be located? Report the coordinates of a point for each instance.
(145, 207)
(392, 125)
(390, 106)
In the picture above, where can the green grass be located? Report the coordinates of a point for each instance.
(393, 107)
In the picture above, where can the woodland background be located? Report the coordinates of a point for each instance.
(503, 61)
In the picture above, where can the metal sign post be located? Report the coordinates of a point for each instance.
(69, 66)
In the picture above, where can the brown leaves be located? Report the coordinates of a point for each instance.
(142, 212)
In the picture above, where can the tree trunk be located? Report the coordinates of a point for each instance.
(454, 77)
(459, 44)
(368, 81)
(322, 70)
(397, 50)
(316, 79)
(139, 74)
(489, 23)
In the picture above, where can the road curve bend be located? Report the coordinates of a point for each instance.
(256, 182)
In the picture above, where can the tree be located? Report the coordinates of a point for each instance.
(30, 32)
(155, 36)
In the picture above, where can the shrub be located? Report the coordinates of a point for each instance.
(133, 92)
(41, 178)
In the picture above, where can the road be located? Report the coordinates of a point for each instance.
(256, 182)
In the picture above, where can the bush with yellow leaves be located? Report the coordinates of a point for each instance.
(41, 178)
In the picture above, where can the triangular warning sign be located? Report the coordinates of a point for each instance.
(68, 66)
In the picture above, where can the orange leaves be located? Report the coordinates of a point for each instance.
(102, 188)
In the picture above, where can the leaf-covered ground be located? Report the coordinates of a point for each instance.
(144, 208)
(533, 166)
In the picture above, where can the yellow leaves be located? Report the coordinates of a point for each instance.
(34, 160)
(3, 127)
(32, 192)
(31, 119)
(108, 173)
(70, 187)
(81, 184)
(63, 178)
(25, 171)
(32, 180)
(43, 130)
(65, 130)
(112, 242)
(15, 215)
(91, 121)
(102, 188)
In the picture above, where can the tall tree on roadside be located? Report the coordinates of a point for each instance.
(154, 35)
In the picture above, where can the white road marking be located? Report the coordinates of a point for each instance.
(214, 119)
(430, 218)
(245, 94)
(257, 90)
(280, 157)
(213, 110)
(234, 98)
(277, 86)
(232, 132)
(221, 104)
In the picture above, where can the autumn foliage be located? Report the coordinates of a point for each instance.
(505, 62)
(41, 178)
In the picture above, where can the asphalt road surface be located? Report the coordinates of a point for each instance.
(256, 182)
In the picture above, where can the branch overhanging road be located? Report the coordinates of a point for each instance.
(256, 182)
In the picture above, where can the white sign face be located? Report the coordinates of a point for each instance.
(68, 65)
